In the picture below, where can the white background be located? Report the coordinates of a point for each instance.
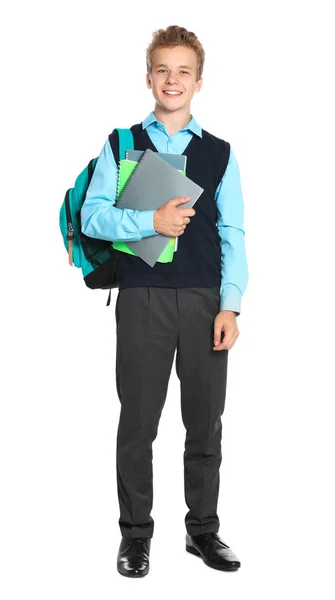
(71, 72)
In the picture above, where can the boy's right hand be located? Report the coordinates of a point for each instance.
(170, 220)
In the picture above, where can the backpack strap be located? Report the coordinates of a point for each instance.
(126, 142)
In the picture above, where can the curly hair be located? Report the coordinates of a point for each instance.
(176, 36)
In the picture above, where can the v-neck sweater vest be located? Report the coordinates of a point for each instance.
(197, 261)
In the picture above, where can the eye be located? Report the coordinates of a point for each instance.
(161, 70)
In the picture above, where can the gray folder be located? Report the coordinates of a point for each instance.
(176, 160)
(154, 182)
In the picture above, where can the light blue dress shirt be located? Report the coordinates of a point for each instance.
(100, 219)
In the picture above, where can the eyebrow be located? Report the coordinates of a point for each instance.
(180, 66)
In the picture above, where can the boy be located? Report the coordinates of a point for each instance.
(185, 305)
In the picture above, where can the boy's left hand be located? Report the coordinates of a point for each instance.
(225, 321)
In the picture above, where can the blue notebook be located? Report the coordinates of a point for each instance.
(176, 160)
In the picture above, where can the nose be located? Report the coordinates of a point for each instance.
(172, 79)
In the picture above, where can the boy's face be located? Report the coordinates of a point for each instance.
(174, 69)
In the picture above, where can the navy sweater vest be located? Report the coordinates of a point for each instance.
(197, 261)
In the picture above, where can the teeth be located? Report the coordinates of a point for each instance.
(172, 93)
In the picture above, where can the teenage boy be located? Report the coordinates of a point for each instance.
(186, 305)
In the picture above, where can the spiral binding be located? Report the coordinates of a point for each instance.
(132, 175)
(118, 182)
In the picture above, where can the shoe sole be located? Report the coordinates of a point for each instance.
(136, 576)
(194, 551)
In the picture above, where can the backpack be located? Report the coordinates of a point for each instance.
(96, 258)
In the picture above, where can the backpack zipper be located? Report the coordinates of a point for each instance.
(70, 232)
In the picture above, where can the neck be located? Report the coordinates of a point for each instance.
(173, 121)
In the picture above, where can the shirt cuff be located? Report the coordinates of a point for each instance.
(230, 298)
(146, 223)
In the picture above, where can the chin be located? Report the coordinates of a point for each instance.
(174, 103)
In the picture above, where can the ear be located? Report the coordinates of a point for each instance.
(148, 80)
(199, 85)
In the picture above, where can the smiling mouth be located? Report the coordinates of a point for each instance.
(172, 95)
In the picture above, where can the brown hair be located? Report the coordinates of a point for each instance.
(176, 36)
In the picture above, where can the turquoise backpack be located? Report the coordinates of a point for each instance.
(96, 258)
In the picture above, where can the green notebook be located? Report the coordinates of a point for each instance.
(125, 170)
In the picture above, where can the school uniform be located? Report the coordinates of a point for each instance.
(170, 308)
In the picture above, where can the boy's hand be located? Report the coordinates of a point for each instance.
(225, 321)
(170, 220)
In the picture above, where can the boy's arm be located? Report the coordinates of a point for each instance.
(234, 269)
(99, 218)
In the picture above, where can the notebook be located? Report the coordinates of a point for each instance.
(179, 162)
(125, 169)
(152, 183)
(176, 160)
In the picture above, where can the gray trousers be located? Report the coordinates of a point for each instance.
(151, 323)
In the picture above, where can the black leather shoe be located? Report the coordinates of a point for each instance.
(133, 556)
(213, 551)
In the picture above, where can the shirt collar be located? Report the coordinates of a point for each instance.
(191, 125)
